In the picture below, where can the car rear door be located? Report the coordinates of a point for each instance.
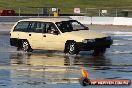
(35, 35)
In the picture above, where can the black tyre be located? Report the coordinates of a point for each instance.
(26, 46)
(19, 47)
(72, 48)
(84, 81)
(99, 51)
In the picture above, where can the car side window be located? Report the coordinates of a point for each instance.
(40, 27)
(37, 27)
(76, 25)
(31, 26)
(22, 26)
(50, 28)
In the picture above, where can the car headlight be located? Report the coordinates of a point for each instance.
(88, 40)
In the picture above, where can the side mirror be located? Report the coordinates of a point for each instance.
(87, 28)
(56, 32)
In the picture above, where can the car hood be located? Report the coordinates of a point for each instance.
(85, 34)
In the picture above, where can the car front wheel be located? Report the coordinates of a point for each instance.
(26, 46)
(71, 48)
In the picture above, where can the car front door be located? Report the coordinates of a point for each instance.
(52, 38)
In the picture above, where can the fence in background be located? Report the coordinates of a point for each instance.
(108, 12)
(92, 12)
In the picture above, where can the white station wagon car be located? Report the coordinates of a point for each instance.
(63, 34)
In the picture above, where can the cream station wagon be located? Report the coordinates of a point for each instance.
(63, 34)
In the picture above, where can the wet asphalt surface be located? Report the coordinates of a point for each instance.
(46, 69)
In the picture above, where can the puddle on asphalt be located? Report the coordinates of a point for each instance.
(34, 59)
(43, 67)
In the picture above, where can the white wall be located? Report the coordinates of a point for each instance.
(122, 21)
(82, 19)
(104, 20)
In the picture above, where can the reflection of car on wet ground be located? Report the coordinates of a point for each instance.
(56, 62)
(62, 34)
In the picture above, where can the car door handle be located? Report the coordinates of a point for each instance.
(29, 34)
(44, 35)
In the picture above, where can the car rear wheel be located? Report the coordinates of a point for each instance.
(26, 46)
(71, 48)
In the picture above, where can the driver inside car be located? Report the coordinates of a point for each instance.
(51, 30)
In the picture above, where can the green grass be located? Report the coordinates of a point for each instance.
(66, 6)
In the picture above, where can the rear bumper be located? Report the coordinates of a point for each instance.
(97, 44)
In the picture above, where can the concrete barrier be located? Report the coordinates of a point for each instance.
(103, 20)
(94, 20)
(83, 19)
(122, 21)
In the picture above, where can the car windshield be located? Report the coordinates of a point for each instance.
(71, 25)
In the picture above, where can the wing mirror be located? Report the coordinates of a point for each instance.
(87, 28)
(56, 32)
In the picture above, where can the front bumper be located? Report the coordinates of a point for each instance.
(97, 44)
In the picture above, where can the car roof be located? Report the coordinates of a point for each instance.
(48, 19)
